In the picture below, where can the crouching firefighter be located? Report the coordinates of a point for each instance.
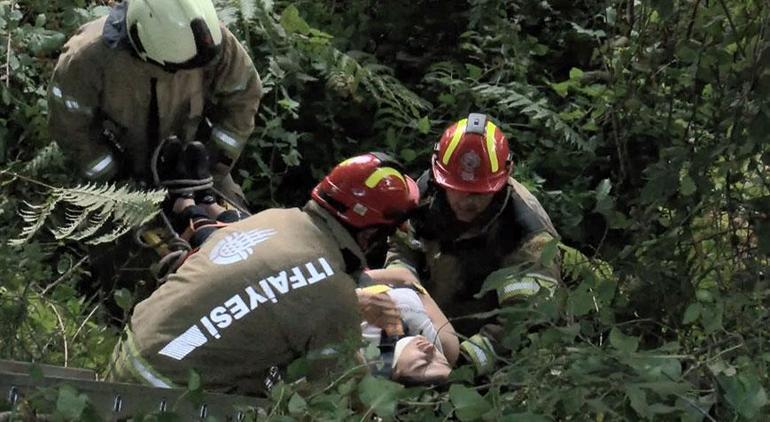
(147, 72)
(271, 288)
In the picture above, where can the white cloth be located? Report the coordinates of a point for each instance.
(413, 314)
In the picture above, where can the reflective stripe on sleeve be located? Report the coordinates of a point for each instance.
(70, 103)
(139, 367)
(479, 350)
(526, 286)
(226, 141)
(100, 167)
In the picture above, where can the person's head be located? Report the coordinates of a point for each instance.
(471, 162)
(370, 194)
(175, 34)
(417, 361)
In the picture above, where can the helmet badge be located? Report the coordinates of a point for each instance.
(469, 162)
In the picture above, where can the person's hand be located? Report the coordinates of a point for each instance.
(379, 309)
(395, 276)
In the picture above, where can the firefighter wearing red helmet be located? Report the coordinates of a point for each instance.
(271, 288)
(475, 224)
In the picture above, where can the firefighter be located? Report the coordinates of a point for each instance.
(124, 83)
(474, 224)
(148, 71)
(271, 288)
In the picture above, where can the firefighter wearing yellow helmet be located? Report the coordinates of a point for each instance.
(475, 225)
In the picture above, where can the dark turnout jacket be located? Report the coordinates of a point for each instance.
(99, 83)
(502, 247)
(258, 294)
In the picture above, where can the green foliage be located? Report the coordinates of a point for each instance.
(641, 125)
(88, 209)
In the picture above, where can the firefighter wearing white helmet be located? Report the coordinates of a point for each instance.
(181, 34)
(149, 71)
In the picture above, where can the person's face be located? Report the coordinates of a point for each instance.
(467, 206)
(421, 363)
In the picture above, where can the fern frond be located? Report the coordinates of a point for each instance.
(88, 209)
(34, 217)
(511, 96)
(48, 157)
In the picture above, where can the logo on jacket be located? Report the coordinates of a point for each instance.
(469, 162)
(238, 246)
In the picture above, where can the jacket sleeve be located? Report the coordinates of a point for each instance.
(237, 91)
(404, 251)
(74, 111)
(523, 276)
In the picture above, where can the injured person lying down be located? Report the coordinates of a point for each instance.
(428, 347)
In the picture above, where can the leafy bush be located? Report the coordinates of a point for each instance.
(641, 125)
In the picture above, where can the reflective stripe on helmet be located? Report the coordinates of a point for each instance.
(459, 132)
(491, 149)
(381, 173)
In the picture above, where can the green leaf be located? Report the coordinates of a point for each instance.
(380, 395)
(124, 299)
(561, 88)
(745, 393)
(711, 317)
(638, 399)
(469, 404)
(604, 203)
(423, 125)
(71, 404)
(622, 342)
(664, 7)
(692, 313)
(193, 380)
(297, 405)
(575, 74)
(466, 373)
(687, 185)
(408, 155)
(580, 301)
(297, 369)
(293, 22)
(525, 417)
(549, 251)
(474, 72)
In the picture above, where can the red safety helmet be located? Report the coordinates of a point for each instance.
(368, 190)
(472, 156)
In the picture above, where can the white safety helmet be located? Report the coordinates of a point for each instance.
(176, 34)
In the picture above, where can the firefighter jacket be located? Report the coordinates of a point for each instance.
(258, 294)
(108, 109)
(454, 259)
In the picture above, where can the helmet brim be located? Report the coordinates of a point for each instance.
(491, 185)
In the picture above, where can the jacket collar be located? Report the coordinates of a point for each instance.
(340, 234)
(115, 33)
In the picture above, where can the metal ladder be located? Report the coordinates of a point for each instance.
(118, 401)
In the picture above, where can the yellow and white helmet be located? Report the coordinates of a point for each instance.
(176, 34)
